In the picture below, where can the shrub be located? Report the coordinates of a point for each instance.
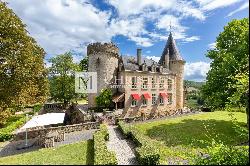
(146, 153)
(104, 99)
(220, 154)
(102, 156)
(13, 123)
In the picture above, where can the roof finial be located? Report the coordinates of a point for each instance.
(170, 27)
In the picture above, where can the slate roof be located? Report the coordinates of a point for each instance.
(130, 63)
(171, 50)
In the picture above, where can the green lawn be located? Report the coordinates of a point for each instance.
(183, 137)
(81, 101)
(78, 153)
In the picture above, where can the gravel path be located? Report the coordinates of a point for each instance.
(124, 149)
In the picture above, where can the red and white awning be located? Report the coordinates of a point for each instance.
(146, 96)
(164, 95)
(136, 96)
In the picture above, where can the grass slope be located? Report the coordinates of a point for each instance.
(183, 137)
(78, 153)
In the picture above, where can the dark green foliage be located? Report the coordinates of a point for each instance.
(12, 124)
(104, 100)
(84, 63)
(102, 156)
(220, 154)
(62, 83)
(145, 152)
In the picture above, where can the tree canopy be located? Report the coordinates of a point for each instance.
(229, 66)
(22, 72)
(62, 77)
(104, 99)
(84, 63)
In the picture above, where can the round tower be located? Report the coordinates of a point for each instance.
(103, 59)
(177, 66)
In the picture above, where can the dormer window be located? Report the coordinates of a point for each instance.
(161, 69)
(144, 66)
(153, 68)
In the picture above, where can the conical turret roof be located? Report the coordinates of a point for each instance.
(171, 50)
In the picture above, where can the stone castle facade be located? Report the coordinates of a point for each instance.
(138, 83)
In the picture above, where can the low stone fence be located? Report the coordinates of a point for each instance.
(141, 119)
(35, 132)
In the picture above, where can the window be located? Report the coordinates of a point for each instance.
(161, 100)
(170, 83)
(161, 82)
(144, 102)
(134, 102)
(145, 83)
(170, 99)
(153, 82)
(134, 81)
(153, 99)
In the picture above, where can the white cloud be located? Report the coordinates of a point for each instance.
(64, 25)
(212, 45)
(179, 31)
(196, 71)
(191, 39)
(208, 5)
(132, 28)
(155, 58)
(126, 8)
(59, 25)
(242, 7)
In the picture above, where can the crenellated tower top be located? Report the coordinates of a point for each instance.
(98, 47)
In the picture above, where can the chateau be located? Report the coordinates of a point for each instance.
(138, 83)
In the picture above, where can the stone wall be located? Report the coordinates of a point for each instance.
(133, 111)
(178, 67)
(103, 59)
(37, 131)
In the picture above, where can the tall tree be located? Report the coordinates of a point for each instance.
(22, 72)
(62, 81)
(229, 60)
(84, 63)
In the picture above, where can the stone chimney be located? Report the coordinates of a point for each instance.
(139, 56)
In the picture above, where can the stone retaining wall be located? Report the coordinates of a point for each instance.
(35, 132)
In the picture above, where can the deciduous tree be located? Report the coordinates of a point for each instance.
(62, 77)
(23, 77)
(229, 60)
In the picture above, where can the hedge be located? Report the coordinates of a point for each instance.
(145, 152)
(102, 156)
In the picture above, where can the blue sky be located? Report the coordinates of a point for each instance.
(69, 25)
